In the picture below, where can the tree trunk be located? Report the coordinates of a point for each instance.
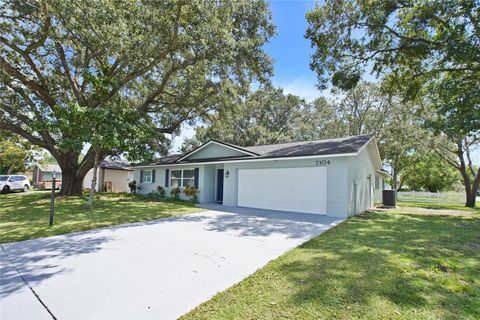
(472, 193)
(470, 200)
(71, 184)
(73, 173)
(94, 182)
(394, 179)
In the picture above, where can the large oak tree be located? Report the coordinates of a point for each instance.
(118, 75)
(426, 50)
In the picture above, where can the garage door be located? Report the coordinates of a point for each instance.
(284, 189)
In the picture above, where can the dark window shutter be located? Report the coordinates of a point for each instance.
(153, 176)
(196, 178)
(141, 176)
(167, 172)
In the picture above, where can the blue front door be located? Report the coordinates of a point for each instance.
(220, 185)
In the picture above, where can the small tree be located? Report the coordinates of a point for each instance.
(132, 185)
(431, 173)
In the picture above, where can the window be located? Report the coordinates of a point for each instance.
(176, 178)
(377, 182)
(147, 176)
(182, 178)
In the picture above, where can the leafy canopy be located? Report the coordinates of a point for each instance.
(119, 75)
(422, 47)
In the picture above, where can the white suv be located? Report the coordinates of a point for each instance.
(14, 182)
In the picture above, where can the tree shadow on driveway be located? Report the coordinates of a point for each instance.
(35, 259)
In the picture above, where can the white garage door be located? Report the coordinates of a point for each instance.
(285, 189)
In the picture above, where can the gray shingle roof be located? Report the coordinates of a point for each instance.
(116, 165)
(49, 167)
(344, 145)
(312, 148)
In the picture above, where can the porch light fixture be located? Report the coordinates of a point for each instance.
(227, 174)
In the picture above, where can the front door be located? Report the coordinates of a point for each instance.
(220, 185)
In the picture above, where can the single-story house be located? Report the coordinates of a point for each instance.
(43, 174)
(336, 177)
(112, 176)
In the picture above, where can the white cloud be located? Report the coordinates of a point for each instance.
(303, 86)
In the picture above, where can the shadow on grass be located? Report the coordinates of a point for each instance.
(411, 261)
(26, 217)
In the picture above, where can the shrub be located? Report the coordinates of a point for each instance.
(192, 193)
(133, 186)
(161, 192)
(158, 194)
(175, 193)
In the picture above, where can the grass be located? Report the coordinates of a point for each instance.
(25, 216)
(378, 265)
(437, 206)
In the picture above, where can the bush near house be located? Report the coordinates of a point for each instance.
(192, 193)
(175, 193)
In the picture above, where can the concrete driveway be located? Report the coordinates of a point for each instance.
(152, 270)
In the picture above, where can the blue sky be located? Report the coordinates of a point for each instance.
(290, 52)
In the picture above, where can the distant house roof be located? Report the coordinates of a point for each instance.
(337, 146)
(115, 165)
(49, 167)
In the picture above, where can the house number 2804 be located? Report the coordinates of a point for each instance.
(322, 163)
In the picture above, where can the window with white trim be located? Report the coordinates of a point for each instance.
(182, 178)
(147, 176)
(377, 182)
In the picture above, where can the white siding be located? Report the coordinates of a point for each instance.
(119, 179)
(284, 189)
(336, 180)
(360, 168)
(215, 150)
(147, 187)
(87, 180)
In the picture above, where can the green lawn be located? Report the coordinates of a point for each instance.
(379, 265)
(25, 216)
(433, 205)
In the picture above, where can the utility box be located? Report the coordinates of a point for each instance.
(389, 198)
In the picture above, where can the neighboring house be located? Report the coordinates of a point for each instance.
(335, 177)
(43, 174)
(112, 176)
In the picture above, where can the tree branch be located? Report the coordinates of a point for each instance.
(30, 137)
(38, 89)
(68, 74)
(44, 33)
